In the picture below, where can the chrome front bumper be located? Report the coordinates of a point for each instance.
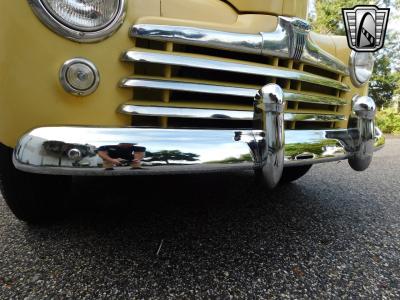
(268, 147)
(173, 150)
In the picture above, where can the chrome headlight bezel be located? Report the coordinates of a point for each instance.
(357, 82)
(74, 33)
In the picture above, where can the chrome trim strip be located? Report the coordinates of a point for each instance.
(313, 98)
(291, 39)
(315, 56)
(314, 117)
(60, 28)
(181, 112)
(288, 39)
(240, 42)
(236, 67)
(202, 113)
(185, 86)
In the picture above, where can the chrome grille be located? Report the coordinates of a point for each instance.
(179, 83)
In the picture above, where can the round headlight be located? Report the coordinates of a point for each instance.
(81, 20)
(86, 15)
(361, 67)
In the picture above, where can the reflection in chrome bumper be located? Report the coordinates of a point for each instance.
(75, 150)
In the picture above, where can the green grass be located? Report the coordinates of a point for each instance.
(388, 120)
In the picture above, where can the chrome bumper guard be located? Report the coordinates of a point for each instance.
(75, 150)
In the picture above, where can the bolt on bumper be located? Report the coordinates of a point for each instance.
(268, 148)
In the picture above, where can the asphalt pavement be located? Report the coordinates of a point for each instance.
(334, 233)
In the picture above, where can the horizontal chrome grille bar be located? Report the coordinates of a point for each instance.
(311, 98)
(181, 112)
(240, 42)
(177, 112)
(291, 39)
(179, 59)
(186, 86)
(314, 117)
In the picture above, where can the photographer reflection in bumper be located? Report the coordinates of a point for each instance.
(123, 154)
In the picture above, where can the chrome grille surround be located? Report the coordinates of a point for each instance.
(289, 44)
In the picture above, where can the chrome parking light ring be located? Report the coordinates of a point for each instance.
(69, 87)
(74, 33)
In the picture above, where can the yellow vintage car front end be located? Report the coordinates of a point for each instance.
(31, 57)
(181, 85)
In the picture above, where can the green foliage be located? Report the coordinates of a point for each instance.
(231, 160)
(329, 15)
(302, 148)
(388, 120)
(384, 82)
(171, 155)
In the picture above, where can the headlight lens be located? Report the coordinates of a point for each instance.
(81, 20)
(361, 67)
(87, 15)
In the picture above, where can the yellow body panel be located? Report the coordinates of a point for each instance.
(31, 56)
(209, 11)
(297, 8)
